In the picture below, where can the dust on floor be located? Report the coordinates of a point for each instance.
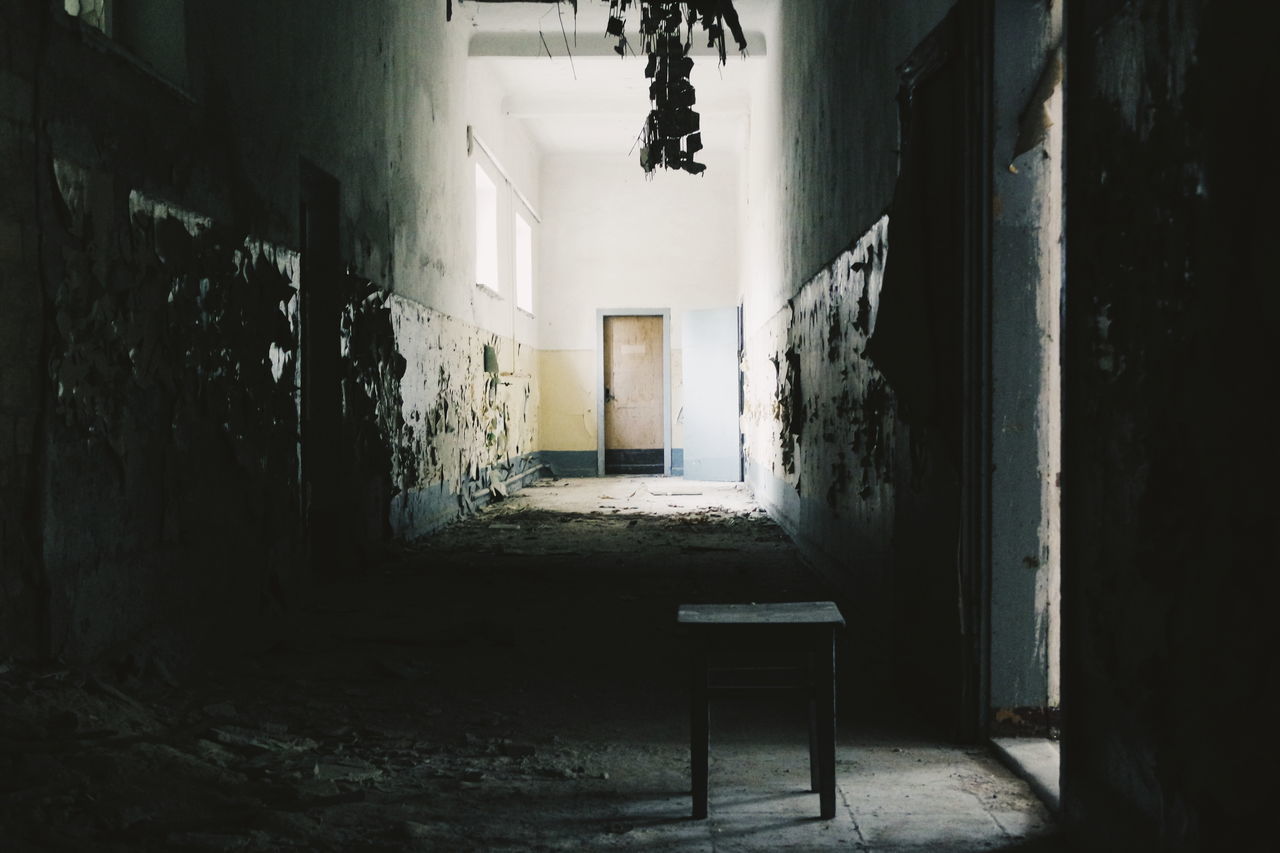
(515, 682)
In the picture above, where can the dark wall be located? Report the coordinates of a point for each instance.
(21, 332)
(839, 157)
(1170, 463)
(150, 503)
(168, 489)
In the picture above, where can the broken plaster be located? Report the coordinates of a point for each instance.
(818, 415)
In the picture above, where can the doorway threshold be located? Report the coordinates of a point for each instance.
(1037, 760)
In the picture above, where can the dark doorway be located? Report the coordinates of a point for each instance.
(320, 281)
(932, 342)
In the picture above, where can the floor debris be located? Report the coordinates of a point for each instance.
(532, 700)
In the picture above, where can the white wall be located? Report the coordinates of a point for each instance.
(611, 238)
(763, 287)
(430, 211)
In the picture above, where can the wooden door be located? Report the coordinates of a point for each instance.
(634, 438)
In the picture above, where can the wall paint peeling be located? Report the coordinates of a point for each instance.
(820, 428)
(206, 318)
(818, 415)
(172, 333)
(174, 388)
(464, 429)
(150, 415)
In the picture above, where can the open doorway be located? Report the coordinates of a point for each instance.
(932, 343)
(634, 392)
(711, 387)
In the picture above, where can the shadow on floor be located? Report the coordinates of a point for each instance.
(513, 683)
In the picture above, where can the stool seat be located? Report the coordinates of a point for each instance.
(769, 613)
(811, 625)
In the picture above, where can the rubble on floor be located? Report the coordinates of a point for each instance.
(515, 682)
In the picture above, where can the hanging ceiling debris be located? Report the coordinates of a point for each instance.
(672, 132)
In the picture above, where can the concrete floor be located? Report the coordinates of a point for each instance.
(513, 683)
(1039, 761)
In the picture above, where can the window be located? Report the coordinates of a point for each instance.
(524, 263)
(153, 32)
(486, 230)
(92, 12)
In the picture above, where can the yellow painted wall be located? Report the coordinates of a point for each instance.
(567, 399)
(567, 410)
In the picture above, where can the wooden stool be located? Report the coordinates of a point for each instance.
(809, 624)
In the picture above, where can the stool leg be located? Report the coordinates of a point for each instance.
(826, 713)
(699, 729)
(814, 782)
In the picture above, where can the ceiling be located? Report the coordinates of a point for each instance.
(587, 99)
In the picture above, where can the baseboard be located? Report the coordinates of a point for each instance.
(585, 463)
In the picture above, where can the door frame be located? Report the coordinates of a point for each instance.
(665, 314)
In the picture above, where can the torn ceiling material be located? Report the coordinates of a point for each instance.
(671, 134)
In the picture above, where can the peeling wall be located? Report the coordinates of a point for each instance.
(464, 429)
(1169, 510)
(826, 451)
(818, 416)
(170, 453)
(150, 420)
(820, 426)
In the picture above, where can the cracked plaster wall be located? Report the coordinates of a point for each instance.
(819, 418)
(464, 428)
(171, 453)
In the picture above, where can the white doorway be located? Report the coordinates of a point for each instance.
(712, 444)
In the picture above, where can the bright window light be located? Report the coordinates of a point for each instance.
(486, 230)
(92, 12)
(524, 263)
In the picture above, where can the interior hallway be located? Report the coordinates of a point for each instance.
(514, 683)
(285, 286)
